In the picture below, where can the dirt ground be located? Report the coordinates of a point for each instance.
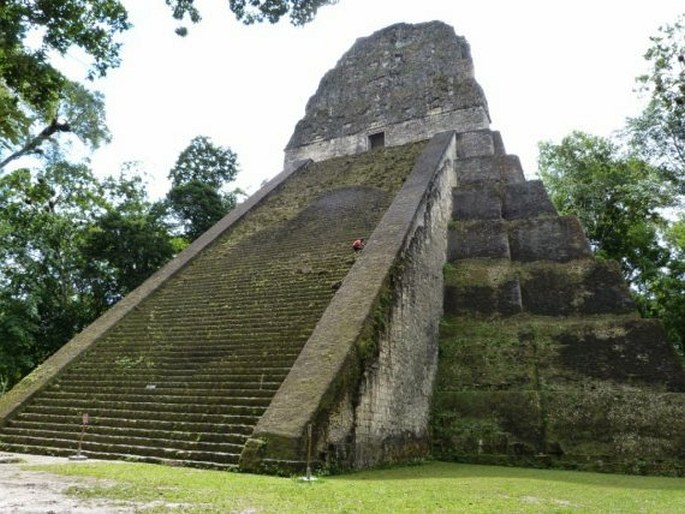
(34, 492)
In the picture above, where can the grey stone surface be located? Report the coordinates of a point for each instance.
(558, 239)
(472, 204)
(498, 143)
(384, 417)
(476, 143)
(485, 299)
(526, 200)
(408, 81)
(481, 239)
(636, 353)
(584, 287)
(393, 412)
(490, 170)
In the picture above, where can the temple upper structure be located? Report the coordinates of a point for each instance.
(402, 84)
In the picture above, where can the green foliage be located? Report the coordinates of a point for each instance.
(204, 162)
(617, 199)
(70, 247)
(44, 299)
(659, 132)
(33, 93)
(668, 288)
(199, 206)
(196, 200)
(248, 12)
(620, 201)
(127, 242)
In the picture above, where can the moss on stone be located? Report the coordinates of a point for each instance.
(507, 389)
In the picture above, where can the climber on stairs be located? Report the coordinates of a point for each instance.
(358, 245)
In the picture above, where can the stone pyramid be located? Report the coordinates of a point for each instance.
(475, 325)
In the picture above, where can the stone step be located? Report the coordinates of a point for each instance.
(218, 339)
(480, 239)
(182, 421)
(508, 201)
(241, 307)
(148, 399)
(257, 381)
(583, 286)
(145, 408)
(100, 454)
(189, 374)
(235, 434)
(122, 452)
(528, 352)
(70, 439)
(218, 388)
(477, 172)
(558, 238)
(183, 350)
(240, 362)
(219, 328)
(526, 200)
(160, 394)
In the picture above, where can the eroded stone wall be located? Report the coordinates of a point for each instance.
(407, 81)
(393, 412)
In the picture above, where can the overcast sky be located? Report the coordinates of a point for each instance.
(547, 68)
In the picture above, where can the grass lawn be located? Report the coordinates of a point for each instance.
(431, 487)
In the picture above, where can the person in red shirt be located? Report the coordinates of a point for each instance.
(358, 244)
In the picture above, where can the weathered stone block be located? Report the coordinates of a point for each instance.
(475, 144)
(477, 240)
(487, 299)
(554, 239)
(635, 352)
(499, 143)
(476, 204)
(526, 200)
(481, 171)
(633, 430)
(585, 286)
(487, 422)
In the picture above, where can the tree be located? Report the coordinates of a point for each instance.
(83, 113)
(127, 242)
(658, 134)
(36, 100)
(668, 302)
(620, 201)
(44, 298)
(248, 12)
(198, 197)
(617, 199)
(70, 247)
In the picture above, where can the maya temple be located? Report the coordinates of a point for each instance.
(475, 326)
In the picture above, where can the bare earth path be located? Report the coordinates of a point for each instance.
(36, 492)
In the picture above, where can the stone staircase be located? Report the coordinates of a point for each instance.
(543, 358)
(185, 376)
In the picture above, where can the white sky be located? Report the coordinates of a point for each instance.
(547, 68)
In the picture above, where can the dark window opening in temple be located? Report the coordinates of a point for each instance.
(377, 140)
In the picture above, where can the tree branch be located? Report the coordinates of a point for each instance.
(33, 144)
